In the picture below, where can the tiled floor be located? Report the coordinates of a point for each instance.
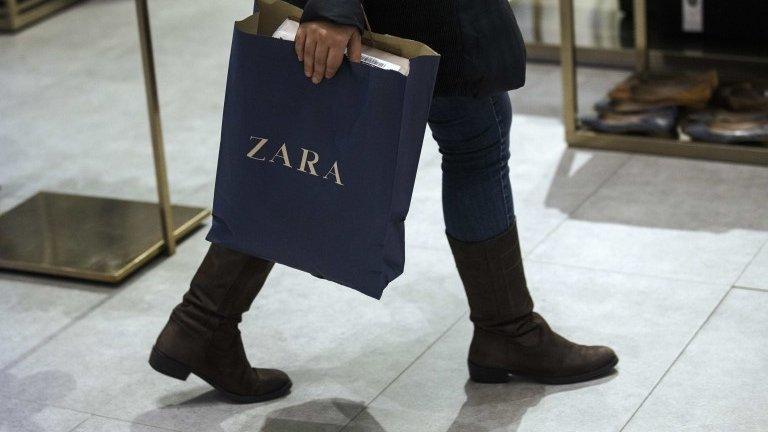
(664, 259)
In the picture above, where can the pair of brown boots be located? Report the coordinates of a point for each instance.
(202, 336)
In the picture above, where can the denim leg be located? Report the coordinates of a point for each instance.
(473, 135)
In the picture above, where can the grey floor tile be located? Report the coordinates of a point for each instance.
(541, 95)
(100, 27)
(291, 419)
(646, 320)
(756, 274)
(106, 145)
(33, 309)
(567, 180)
(89, 109)
(340, 347)
(102, 424)
(21, 416)
(98, 141)
(720, 381)
(535, 223)
(668, 217)
(683, 194)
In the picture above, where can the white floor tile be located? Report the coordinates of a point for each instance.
(668, 217)
(33, 309)
(756, 274)
(720, 381)
(646, 320)
(21, 416)
(101, 424)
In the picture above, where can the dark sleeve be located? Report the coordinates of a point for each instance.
(345, 12)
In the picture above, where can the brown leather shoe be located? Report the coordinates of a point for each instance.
(202, 337)
(680, 89)
(509, 338)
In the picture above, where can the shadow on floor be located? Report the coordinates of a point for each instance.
(486, 408)
(669, 193)
(321, 415)
(308, 417)
(57, 385)
(211, 422)
(503, 406)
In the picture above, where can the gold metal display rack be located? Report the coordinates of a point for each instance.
(577, 137)
(539, 50)
(93, 238)
(15, 14)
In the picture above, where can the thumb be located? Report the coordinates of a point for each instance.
(354, 47)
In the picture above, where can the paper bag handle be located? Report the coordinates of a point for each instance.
(365, 17)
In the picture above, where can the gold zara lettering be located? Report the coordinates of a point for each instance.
(309, 159)
(282, 153)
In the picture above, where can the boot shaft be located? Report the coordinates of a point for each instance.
(494, 279)
(226, 283)
(223, 288)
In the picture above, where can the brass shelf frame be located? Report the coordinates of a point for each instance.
(17, 14)
(576, 137)
(95, 238)
(588, 56)
(92, 238)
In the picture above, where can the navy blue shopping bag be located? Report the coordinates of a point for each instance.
(319, 177)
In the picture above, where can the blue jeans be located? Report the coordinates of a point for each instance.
(473, 135)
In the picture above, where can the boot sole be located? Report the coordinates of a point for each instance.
(175, 369)
(488, 375)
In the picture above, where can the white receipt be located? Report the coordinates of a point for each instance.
(287, 30)
(369, 55)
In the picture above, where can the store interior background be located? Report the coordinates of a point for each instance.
(664, 259)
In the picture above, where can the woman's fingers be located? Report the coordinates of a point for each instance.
(321, 58)
(298, 44)
(321, 45)
(309, 56)
(335, 57)
(355, 47)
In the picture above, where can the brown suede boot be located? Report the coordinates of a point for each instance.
(202, 337)
(509, 338)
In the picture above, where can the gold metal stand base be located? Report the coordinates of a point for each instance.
(99, 239)
(17, 14)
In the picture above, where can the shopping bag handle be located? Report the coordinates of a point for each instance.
(365, 17)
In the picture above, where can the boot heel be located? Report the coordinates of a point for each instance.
(168, 366)
(487, 375)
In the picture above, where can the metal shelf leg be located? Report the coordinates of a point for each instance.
(153, 107)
